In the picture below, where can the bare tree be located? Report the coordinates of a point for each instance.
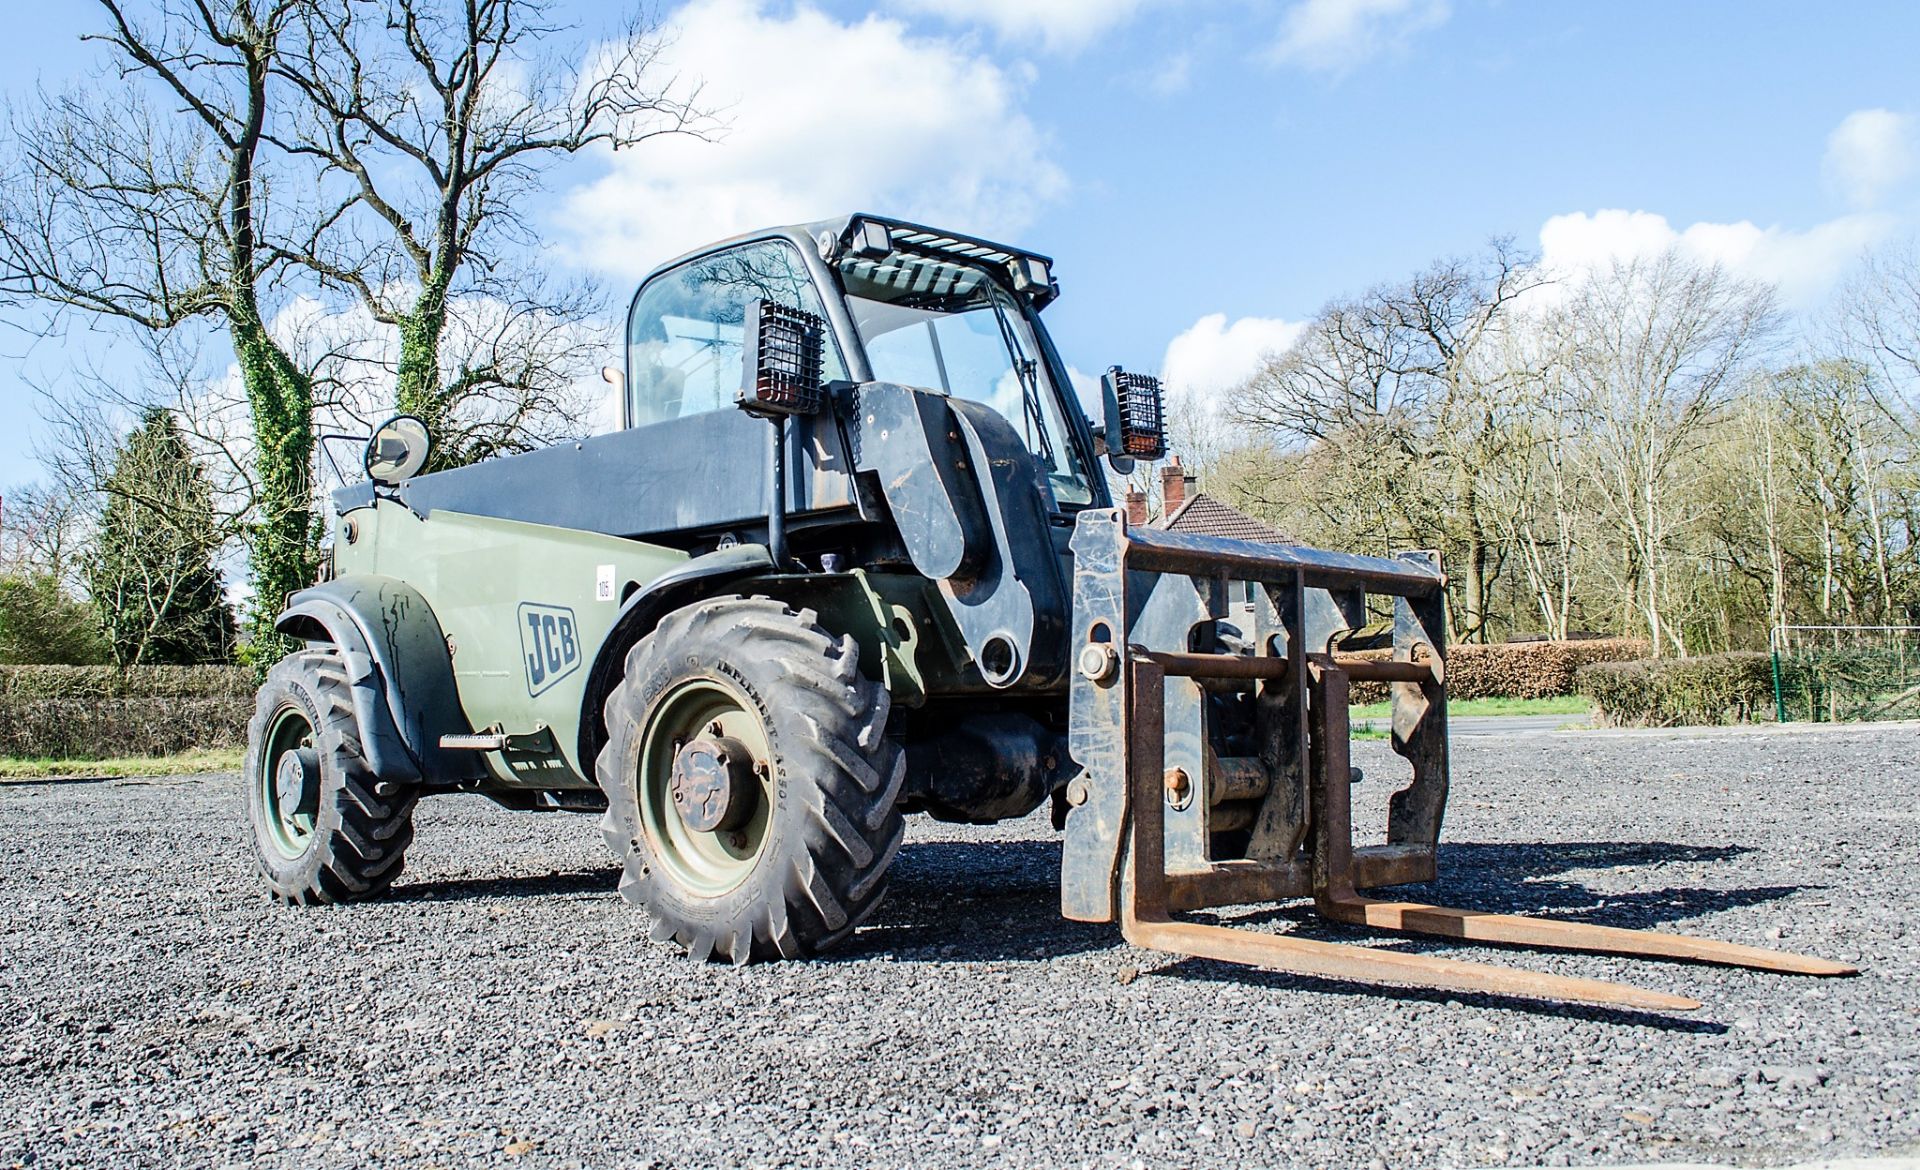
(143, 202)
(1636, 465)
(1531, 491)
(250, 163)
(1877, 324)
(1411, 386)
(1762, 466)
(1655, 347)
(431, 122)
(41, 532)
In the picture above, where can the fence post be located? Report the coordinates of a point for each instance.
(1779, 699)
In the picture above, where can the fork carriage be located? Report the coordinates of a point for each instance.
(1161, 821)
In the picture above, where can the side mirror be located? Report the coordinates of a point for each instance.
(785, 351)
(1136, 419)
(397, 451)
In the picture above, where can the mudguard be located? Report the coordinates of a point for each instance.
(404, 696)
(682, 585)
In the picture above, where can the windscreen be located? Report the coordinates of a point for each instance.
(948, 326)
(686, 333)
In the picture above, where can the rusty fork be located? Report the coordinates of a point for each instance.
(1147, 920)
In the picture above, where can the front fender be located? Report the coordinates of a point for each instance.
(404, 696)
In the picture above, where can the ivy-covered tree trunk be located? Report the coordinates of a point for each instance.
(286, 539)
(419, 391)
(286, 532)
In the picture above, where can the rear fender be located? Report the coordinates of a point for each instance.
(700, 577)
(404, 696)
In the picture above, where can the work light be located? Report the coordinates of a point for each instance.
(1136, 422)
(784, 352)
(1030, 274)
(869, 239)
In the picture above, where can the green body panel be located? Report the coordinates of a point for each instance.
(525, 607)
(908, 643)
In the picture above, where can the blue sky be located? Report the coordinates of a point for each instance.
(1207, 173)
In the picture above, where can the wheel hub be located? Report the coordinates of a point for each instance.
(295, 780)
(713, 784)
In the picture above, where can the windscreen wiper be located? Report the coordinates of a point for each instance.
(1028, 371)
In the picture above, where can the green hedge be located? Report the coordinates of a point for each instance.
(1516, 670)
(97, 712)
(1711, 689)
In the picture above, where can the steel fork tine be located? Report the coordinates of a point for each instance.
(1334, 895)
(1478, 926)
(1344, 961)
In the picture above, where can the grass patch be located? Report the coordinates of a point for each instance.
(184, 764)
(1559, 705)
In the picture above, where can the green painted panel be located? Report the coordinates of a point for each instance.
(526, 607)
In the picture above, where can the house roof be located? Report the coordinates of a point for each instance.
(1206, 516)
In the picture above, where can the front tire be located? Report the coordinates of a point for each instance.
(752, 794)
(325, 828)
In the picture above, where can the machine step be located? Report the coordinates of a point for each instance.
(482, 742)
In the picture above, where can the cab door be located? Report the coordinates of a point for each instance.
(685, 348)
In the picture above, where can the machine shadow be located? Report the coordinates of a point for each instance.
(1526, 879)
(1206, 970)
(1003, 898)
(976, 901)
(599, 880)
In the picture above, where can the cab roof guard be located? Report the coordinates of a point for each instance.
(1030, 272)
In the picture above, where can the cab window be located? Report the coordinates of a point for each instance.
(685, 336)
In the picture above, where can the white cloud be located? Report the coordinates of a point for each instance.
(1869, 154)
(1801, 264)
(1058, 24)
(1172, 75)
(1213, 357)
(1333, 36)
(823, 118)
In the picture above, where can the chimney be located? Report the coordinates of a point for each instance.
(1137, 509)
(1174, 482)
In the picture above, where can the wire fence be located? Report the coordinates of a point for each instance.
(1834, 674)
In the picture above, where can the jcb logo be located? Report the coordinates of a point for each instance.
(549, 644)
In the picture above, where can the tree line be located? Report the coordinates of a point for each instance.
(1647, 447)
(299, 215)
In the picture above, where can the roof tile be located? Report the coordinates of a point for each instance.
(1206, 516)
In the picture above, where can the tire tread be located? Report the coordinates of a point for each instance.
(829, 724)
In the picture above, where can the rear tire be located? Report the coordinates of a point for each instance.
(325, 828)
(815, 820)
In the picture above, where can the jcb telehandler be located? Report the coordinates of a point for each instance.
(852, 556)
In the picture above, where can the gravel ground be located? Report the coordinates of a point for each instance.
(504, 1007)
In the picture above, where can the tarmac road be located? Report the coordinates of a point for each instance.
(505, 1008)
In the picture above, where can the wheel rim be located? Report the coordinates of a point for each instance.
(706, 863)
(289, 782)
